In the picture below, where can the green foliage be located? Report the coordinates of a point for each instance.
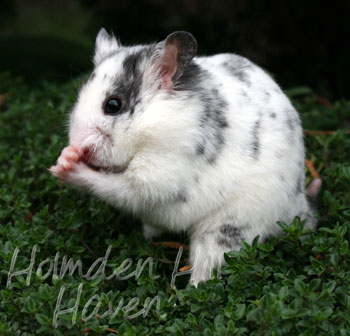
(296, 284)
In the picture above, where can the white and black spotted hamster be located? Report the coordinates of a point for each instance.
(206, 145)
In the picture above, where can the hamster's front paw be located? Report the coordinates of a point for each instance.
(65, 162)
(68, 167)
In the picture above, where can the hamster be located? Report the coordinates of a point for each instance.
(207, 145)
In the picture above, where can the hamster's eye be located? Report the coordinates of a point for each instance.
(113, 106)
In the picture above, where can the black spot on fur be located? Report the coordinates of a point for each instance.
(273, 115)
(200, 149)
(212, 120)
(229, 236)
(182, 196)
(130, 63)
(229, 230)
(225, 242)
(243, 76)
(237, 67)
(256, 140)
(127, 85)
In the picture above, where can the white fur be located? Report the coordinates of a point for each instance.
(157, 145)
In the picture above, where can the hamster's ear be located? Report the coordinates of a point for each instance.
(105, 44)
(179, 48)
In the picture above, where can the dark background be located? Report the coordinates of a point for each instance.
(298, 42)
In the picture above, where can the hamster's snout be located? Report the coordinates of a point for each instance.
(86, 155)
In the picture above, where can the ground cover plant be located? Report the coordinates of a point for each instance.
(296, 284)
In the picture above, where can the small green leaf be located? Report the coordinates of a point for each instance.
(43, 319)
(313, 284)
(283, 293)
(300, 286)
